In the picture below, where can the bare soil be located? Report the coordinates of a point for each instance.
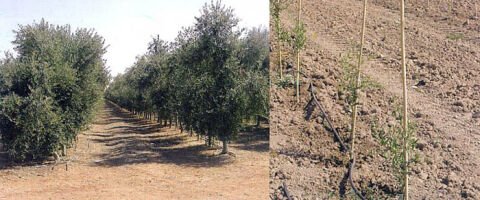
(443, 59)
(123, 157)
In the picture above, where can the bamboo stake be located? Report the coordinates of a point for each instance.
(298, 54)
(279, 45)
(451, 7)
(355, 106)
(280, 56)
(405, 118)
(357, 83)
(476, 16)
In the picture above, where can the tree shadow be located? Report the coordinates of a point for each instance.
(253, 138)
(107, 121)
(3, 158)
(7, 163)
(159, 150)
(143, 129)
(141, 141)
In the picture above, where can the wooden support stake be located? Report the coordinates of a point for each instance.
(355, 103)
(280, 45)
(405, 100)
(476, 11)
(298, 53)
(357, 83)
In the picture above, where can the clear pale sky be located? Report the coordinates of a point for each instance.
(126, 25)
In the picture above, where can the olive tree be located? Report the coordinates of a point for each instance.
(49, 91)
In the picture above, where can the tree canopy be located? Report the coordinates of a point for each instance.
(211, 78)
(49, 90)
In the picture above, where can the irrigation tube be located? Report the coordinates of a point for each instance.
(343, 147)
(350, 179)
(334, 130)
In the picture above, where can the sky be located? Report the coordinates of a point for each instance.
(126, 25)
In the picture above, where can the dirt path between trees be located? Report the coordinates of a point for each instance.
(122, 157)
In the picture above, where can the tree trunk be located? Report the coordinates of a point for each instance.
(258, 121)
(76, 142)
(210, 141)
(64, 150)
(181, 127)
(225, 146)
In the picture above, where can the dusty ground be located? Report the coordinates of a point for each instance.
(443, 53)
(122, 157)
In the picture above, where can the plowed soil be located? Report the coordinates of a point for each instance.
(123, 157)
(443, 59)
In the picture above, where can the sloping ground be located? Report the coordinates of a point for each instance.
(443, 53)
(122, 157)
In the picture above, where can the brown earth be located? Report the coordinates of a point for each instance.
(443, 59)
(123, 157)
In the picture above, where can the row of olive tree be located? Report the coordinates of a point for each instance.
(48, 91)
(210, 79)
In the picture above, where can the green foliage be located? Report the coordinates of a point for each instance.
(286, 81)
(210, 78)
(455, 36)
(347, 82)
(276, 7)
(391, 139)
(253, 50)
(48, 92)
(300, 36)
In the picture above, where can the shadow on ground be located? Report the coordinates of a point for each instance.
(135, 141)
(6, 163)
(3, 158)
(140, 141)
(253, 138)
